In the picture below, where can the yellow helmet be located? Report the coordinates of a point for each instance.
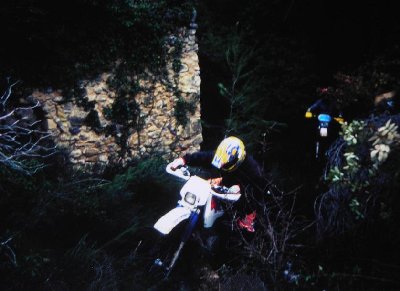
(229, 154)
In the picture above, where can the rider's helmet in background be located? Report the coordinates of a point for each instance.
(229, 154)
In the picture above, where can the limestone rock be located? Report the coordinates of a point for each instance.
(76, 154)
(159, 133)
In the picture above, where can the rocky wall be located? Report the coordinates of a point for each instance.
(160, 131)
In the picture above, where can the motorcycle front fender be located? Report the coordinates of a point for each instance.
(167, 222)
(323, 131)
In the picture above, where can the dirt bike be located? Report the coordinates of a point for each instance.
(324, 121)
(198, 200)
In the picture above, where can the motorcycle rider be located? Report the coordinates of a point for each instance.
(327, 106)
(236, 171)
(324, 110)
(387, 102)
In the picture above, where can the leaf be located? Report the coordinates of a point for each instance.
(222, 89)
(376, 142)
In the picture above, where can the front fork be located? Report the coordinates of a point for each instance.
(194, 217)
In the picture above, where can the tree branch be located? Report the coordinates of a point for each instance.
(21, 138)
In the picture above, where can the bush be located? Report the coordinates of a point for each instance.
(360, 166)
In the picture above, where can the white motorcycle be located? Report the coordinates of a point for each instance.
(198, 199)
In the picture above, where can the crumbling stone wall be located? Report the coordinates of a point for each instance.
(161, 132)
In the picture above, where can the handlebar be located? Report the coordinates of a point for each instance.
(226, 196)
(339, 119)
(181, 172)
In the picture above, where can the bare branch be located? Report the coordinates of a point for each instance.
(21, 138)
(9, 252)
(7, 94)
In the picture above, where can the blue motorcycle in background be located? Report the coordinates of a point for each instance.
(323, 128)
(323, 125)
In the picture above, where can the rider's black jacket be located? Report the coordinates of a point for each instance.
(326, 106)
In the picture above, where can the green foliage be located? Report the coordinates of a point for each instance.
(361, 168)
(34, 263)
(146, 24)
(381, 74)
(355, 208)
(357, 170)
(84, 267)
(354, 134)
(176, 65)
(92, 120)
(335, 175)
(182, 108)
(145, 172)
(357, 88)
(385, 137)
(78, 93)
(83, 46)
(80, 231)
(124, 112)
(16, 182)
(176, 57)
(246, 110)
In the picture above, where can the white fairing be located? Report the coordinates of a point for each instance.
(195, 185)
(198, 186)
(201, 195)
(211, 215)
(167, 222)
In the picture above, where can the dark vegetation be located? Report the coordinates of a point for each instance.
(323, 224)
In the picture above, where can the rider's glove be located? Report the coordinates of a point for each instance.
(214, 182)
(308, 113)
(179, 162)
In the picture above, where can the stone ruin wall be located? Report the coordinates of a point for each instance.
(161, 133)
